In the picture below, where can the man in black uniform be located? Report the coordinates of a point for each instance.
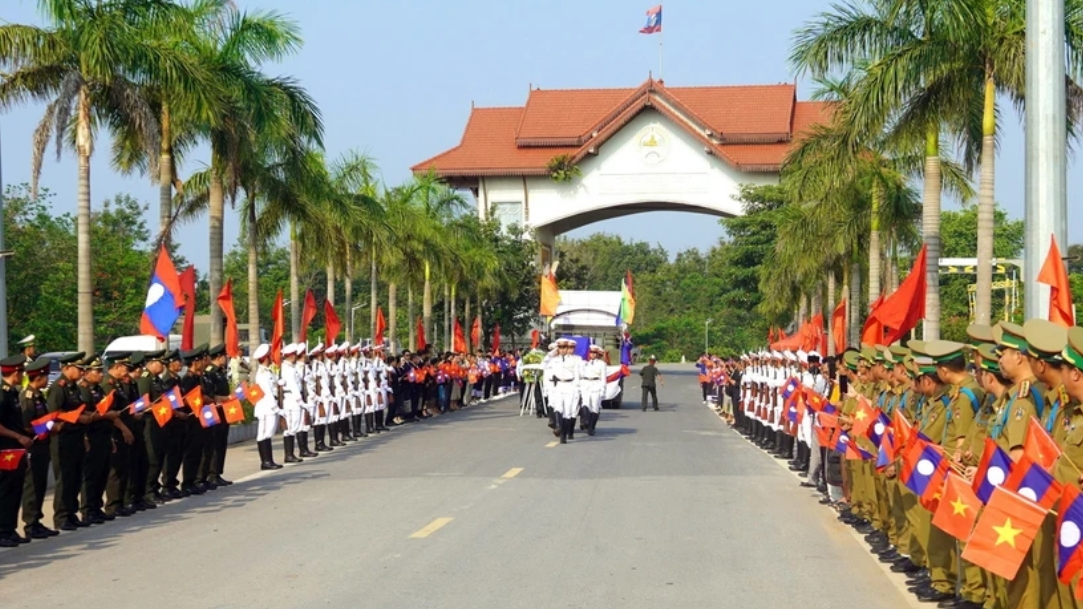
(69, 449)
(32, 403)
(214, 455)
(99, 437)
(176, 431)
(13, 444)
(195, 434)
(151, 384)
(117, 382)
(137, 476)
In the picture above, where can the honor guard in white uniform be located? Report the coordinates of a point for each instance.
(267, 409)
(322, 398)
(592, 378)
(547, 388)
(564, 373)
(303, 368)
(291, 402)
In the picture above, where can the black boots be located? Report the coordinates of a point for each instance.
(380, 421)
(562, 426)
(321, 433)
(333, 430)
(287, 450)
(345, 432)
(302, 439)
(266, 455)
(593, 423)
(370, 422)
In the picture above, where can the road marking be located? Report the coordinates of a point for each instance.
(431, 528)
(513, 472)
(552, 444)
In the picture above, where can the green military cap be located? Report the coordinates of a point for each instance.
(38, 367)
(1045, 339)
(120, 357)
(202, 349)
(988, 359)
(911, 366)
(137, 360)
(93, 362)
(1010, 336)
(944, 350)
(154, 356)
(1073, 351)
(980, 334)
(72, 359)
(850, 359)
(883, 354)
(190, 356)
(916, 346)
(215, 351)
(11, 365)
(868, 354)
(899, 352)
(170, 356)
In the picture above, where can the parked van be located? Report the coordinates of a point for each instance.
(141, 342)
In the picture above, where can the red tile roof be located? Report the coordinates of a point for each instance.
(750, 127)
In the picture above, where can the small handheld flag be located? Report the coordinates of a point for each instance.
(993, 470)
(1004, 533)
(654, 21)
(1031, 481)
(1039, 446)
(9, 459)
(252, 393)
(174, 398)
(930, 467)
(194, 398)
(71, 416)
(163, 412)
(208, 416)
(234, 411)
(1069, 534)
(106, 403)
(140, 405)
(42, 426)
(958, 509)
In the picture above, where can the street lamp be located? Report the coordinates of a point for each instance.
(707, 336)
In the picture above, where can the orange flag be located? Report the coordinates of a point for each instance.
(1055, 275)
(106, 403)
(163, 412)
(1039, 447)
(332, 323)
(475, 333)
(958, 509)
(421, 342)
(233, 410)
(550, 293)
(72, 416)
(278, 319)
(901, 312)
(253, 393)
(903, 429)
(838, 327)
(535, 338)
(1004, 533)
(194, 398)
(458, 343)
(496, 338)
(225, 302)
(381, 325)
(873, 331)
(308, 314)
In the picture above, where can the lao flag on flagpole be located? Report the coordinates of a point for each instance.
(654, 21)
(165, 299)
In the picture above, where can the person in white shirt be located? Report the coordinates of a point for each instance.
(267, 409)
(564, 373)
(291, 403)
(592, 377)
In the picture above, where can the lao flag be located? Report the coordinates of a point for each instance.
(789, 388)
(929, 470)
(654, 21)
(140, 405)
(1030, 480)
(42, 426)
(165, 299)
(208, 415)
(1069, 534)
(993, 470)
(174, 398)
(879, 428)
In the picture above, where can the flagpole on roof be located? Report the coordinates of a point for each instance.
(661, 38)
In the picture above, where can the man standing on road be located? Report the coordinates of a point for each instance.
(650, 376)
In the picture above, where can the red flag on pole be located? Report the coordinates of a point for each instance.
(188, 287)
(1055, 276)
(332, 323)
(458, 343)
(381, 325)
(838, 327)
(475, 333)
(535, 338)
(873, 331)
(278, 317)
(901, 312)
(225, 302)
(308, 314)
(496, 338)
(421, 342)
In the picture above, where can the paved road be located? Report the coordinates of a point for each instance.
(660, 509)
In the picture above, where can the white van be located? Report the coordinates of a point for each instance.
(141, 342)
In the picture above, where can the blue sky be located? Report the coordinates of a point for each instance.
(396, 80)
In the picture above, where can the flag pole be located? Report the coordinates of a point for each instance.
(661, 39)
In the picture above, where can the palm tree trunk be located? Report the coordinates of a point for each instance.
(295, 286)
(216, 211)
(85, 282)
(410, 316)
(452, 315)
(893, 268)
(393, 314)
(466, 328)
(854, 316)
(802, 310)
(426, 300)
(331, 282)
(373, 293)
(930, 228)
(447, 310)
(347, 279)
(165, 180)
(253, 280)
(481, 327)
(830, 313)
(875, 261)
(983, 292)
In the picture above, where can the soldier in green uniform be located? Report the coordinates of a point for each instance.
(151, 384)
(176, 431)
(1068, 431)
(214, 455)
(32, 403)
(195, 434)
(12, 439)
(117, 382)
(99, 442)
(69, 449)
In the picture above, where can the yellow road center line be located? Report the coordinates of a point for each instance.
(513, 472)
(431, 528)
(552, 444)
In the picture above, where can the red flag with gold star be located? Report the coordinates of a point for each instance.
(234, 412)
(864, 416)
(163, 412)
(1004, 533)
(72, 416)
(1039, 446)
(194, 398)
(106, 403)
(9, 459)
(958, 509)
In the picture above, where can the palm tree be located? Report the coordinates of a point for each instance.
(353, 182)
(87, 65)
(439, 204)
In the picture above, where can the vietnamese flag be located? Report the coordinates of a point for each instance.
(331, 322)
(838, 327)
(1004, 532)
(194, 398)
(1031, 481)
(225, 302)
(71, 416)
(458, 343)
(421, 342)
(188, 287)
(1069, 533)
(253, 393)
(233, 410)
(1055, 276)
(10, 459)
(496, 338)
(864, 416)
(278, 329)
(903, 429)
(1039, 446)
(475, 334)
(873, 331)
(163, 412)
(381, 325)
(958, 509)
(106, 403)
(308, 314)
